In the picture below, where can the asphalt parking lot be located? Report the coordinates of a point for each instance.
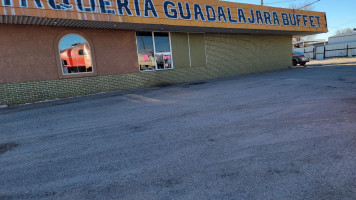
(288, 134)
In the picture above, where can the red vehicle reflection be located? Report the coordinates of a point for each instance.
(77, 58)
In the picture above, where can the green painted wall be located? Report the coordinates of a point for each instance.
(247, 53)
(226, 55)
(180, 50)
(197, 49)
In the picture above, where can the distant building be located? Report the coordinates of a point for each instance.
(309, 43)
(343, 38)
(338, 46)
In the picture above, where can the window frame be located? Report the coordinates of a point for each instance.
(154, 51)
(81, 52)
(56, 41)
(91, 55)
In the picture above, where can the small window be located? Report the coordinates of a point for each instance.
(162, 42)
(145, 51)
(75, 54)
(154, 51)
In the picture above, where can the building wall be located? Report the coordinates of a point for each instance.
(29, 53)
(180, 50)
(342, 38)
(239, 54)
(33, 76)
(188, 49)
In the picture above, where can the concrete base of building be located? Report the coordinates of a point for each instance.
(19, 93)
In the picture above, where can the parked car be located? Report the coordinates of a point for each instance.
(299, 58)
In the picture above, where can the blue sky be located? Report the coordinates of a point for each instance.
(340, 14)
(68, 40)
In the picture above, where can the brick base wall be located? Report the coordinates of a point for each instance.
(17, 93)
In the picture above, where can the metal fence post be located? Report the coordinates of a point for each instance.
(324, 52)
(347, 50)
(314, 53)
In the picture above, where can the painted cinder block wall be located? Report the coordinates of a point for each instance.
(29, 69)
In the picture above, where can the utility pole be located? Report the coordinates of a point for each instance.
(261, 2)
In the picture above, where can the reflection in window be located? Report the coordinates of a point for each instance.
(162, 42)
(163, 61)
(75, 54)
(157, 56)
(145, 51)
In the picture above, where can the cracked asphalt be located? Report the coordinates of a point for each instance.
(288, 134)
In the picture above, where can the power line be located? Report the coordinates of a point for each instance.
(308, 5)
(280, 2)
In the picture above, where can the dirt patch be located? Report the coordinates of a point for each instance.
(168, 182)
(333, 61)
(162, 85)
(283, 172)
(197, 83)
(350, 100)
(7, 147)
(212, 140)
(230, 174)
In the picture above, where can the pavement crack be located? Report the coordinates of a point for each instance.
(7, 147)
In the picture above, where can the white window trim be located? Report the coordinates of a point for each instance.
(154, 51)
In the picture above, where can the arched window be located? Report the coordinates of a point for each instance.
(75, 54)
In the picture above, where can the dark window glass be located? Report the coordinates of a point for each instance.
(164, 61)
(162, 42)
(144, 42)
(145, 50)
